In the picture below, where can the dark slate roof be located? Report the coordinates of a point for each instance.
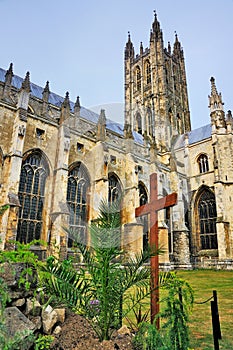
(57, 100)
(194, 136)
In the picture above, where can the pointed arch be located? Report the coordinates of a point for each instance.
(143, 199)
(138, 123)
(206, 216)
(138, 78)
(148, 72)
(114, 187)
(203, 163)
(77, 198)
(33, 176)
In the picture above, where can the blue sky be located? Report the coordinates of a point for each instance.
(79, 45)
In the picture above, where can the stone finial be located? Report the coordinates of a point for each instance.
(26, 83)
(65, 108)
(141, 48)
(177, 49)
(215, 98)
(9, 75)
(77, 106)
(46, 92)
(129, 49)
(101, 126)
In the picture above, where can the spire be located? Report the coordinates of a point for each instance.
(177, 49)
(141, 48)
(26, 83)
(129, 49)
(216, 108)
(7, 87)
(77, 105)
(24, 93)
(215, 98)
(101, 126)
(9, 75)
(156, 31)
(46, 92)
(65, 108)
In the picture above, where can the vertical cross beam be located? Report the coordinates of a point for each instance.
(152, 208)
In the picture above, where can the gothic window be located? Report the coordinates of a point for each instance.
(139, 123)
(148, 72)
(138, 79)
(114, 188)
(33, 176)
(207, 220)
(143, 199)
(77, 200)
(203, 163)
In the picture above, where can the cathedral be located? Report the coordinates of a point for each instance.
(58, 160)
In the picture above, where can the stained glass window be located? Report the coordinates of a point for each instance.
(77, 200)
(33, 176)
(207, 220)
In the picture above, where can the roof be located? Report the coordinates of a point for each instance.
(57, 100)
(194, 136)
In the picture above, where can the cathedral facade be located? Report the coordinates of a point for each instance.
(58, 160)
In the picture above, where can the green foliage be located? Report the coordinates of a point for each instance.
(23, 254)
(99, 290)
(43, 342)
(20, 340)
(3, 208)
(174, 332)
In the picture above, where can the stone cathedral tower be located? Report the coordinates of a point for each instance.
(156, 98)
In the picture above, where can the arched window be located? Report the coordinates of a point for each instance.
(114, 188)
(33, 176)
(143, 199)
(203, 163)
(139, 123)
(77, 200)
(207, 220)
(148, 72)
(138, 79)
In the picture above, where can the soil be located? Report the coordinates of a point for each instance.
(77, 334)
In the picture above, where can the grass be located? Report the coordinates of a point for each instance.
(203, 283)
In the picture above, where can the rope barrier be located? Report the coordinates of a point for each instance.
(203, 302)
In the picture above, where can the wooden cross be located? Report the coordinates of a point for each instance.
(152, 208)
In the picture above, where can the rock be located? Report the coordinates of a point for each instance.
(33, 307)
(124, 330)
(61, 313)
(37, 321)
(49, 319)
(15, 321)
(18, 302)
(57, 330)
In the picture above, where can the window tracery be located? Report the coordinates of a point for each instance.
(77, 200)
(207, 220)
(34, 172)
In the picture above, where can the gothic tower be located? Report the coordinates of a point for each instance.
(156, 97)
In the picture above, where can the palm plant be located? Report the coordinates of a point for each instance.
(99, 290)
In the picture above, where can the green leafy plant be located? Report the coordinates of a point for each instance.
(174, 331)
(43, 342)
(23, 254)
(107, 277)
